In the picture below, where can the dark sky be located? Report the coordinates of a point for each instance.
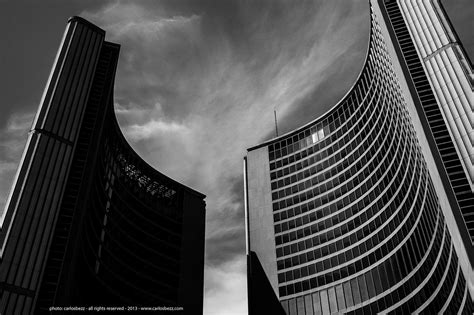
(197, 84)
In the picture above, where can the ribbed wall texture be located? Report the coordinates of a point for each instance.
(449, 71)
(357, 223)
(88, 221)
(444, 76)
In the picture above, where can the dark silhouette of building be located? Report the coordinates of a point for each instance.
(262, 299)
(369, 207)
(88, 222)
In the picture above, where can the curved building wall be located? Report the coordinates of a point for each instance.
(88, 221)
(356, 224)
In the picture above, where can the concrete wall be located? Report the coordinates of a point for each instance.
(260, 213)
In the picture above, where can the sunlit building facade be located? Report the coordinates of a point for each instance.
(369, 207)
(88, 222)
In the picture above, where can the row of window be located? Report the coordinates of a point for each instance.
(410, 254)
(378, 239)
(354, 238)
(351, 188)
(379, 190)
(334, 159)
(346, 176)
(351, 293)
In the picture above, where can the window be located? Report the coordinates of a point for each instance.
(317, 136)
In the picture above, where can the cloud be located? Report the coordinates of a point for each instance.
(153, 128)
(227, 242)
(19, 122)
(13, 137)
(12, 141)
(226, 296)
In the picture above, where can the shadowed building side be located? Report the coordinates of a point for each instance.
(88, 222)
(262, 298)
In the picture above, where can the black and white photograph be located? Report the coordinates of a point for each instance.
(236, 157)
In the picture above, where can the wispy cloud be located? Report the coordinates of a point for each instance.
(197, 85)
(12, 142)
(227, 294)
(153, 128)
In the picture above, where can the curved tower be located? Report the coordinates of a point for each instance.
(357, 212)
(88, 222)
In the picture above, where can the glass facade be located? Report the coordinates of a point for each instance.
(357, 224)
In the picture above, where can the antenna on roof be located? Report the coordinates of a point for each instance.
(276, 125)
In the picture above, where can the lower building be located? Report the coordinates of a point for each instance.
(367, 208)
(88, 222)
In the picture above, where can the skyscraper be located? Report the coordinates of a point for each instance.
(88, 222)
(369, 208)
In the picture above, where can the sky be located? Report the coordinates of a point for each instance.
(197, 84)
